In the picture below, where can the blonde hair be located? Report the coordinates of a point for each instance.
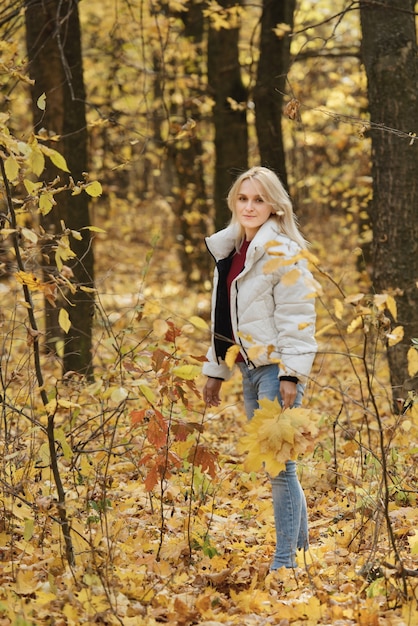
(274, 194)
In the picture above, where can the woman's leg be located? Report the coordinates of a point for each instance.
(290, 517)
(289, 503)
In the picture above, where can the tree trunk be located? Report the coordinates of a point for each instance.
(186, 150)
(55, 63)
(229, 114)
(273, 67)
(389, 49)
(191, 209)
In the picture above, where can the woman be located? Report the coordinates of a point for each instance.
(270, 318)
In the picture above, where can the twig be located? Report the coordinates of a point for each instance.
(35, 334)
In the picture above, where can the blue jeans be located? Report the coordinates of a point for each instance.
(289, 502)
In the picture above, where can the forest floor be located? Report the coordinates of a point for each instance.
(194, 545)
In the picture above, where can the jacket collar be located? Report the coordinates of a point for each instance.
(221, 244)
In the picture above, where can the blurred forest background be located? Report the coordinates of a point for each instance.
(122, 126)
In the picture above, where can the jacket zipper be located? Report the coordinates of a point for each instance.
(248, 361)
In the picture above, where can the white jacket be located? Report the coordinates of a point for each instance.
(273, 319)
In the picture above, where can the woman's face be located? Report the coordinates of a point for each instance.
(251, 210)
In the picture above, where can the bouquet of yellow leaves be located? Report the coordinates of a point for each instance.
(275, 436)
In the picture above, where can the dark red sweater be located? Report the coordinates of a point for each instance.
(237, 265)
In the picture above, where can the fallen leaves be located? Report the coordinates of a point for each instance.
(144, 475)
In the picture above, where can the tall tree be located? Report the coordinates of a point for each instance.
(273, 66)
(55, 64)
(185, 147)
(389, 49)
(229, 114)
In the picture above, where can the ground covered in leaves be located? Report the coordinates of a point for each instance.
(168, 524)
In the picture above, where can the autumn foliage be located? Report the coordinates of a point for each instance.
(168, 522)
(125, 501)
(275, 436)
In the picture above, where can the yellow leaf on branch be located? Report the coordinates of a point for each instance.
(41, 102)
(413, 542)
(29, 234)
(282, 29)
(187, 372)
(412, 361)
(338, 308)
(56, 157)
(36, 159)
(46, 202)
(11, 167)
(355, 324)
(395, 336)
(63, 252)
(64, 320)
(30, 280)
(198, 322)
(31, 187)
(94, 189)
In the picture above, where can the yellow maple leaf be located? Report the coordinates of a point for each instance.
(231, 355)
(26, 583)
(63, 252)
(274, 436)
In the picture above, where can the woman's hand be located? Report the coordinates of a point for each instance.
(287, 393)
(211, 391)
